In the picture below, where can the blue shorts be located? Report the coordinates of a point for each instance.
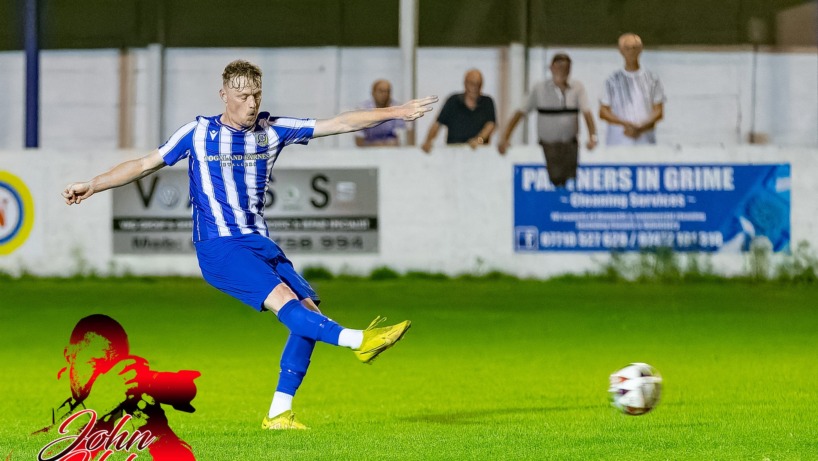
(248, 267)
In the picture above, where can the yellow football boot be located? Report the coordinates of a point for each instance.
(377, 340)
(284, 421)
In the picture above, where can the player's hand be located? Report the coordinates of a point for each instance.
(415, 108)
(503, 147)
(591, 143)
(77, 192)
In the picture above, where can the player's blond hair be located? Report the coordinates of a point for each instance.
(239, 73)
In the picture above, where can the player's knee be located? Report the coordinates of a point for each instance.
(281, 295)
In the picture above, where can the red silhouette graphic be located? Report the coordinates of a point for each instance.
(124, 394)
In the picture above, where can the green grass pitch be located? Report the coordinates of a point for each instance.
(491, 370)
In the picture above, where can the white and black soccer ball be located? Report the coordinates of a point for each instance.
(635, 389)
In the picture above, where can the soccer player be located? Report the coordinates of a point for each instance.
(230, 158)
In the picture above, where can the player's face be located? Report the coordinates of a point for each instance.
(242, 99)
(86, 360)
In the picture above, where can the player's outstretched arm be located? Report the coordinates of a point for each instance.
(359, 119)
(124, 173)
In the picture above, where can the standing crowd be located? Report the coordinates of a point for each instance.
(631, 102)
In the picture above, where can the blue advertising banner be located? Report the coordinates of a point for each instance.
(706, 208)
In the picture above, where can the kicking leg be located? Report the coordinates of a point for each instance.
(308, 321)
(367, 344)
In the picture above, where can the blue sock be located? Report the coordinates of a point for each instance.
(304, 322)
(294, 363)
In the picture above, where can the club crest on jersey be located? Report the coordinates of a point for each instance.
(261, 140)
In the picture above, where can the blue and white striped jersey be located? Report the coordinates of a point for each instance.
(229, 170)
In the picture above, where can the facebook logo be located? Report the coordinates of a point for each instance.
(527, 238)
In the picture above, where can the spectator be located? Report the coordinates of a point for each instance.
(468, 116)
(385, 134)
(558, 102)
(633, 99)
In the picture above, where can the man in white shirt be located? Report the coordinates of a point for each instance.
(633, 99)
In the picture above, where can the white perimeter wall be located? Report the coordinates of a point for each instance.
(709, 92)
(445, 212)
(449, 212)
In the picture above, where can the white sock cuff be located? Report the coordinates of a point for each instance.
(351, 338)
(281, 403)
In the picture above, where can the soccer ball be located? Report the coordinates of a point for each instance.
(635, 389)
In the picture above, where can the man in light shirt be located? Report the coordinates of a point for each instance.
(633, 99)
(559, 101)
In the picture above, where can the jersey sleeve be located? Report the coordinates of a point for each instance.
(179, 145)
(292, 130)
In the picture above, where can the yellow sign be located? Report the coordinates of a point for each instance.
(16, 212)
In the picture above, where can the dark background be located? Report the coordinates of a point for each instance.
(72, 24)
